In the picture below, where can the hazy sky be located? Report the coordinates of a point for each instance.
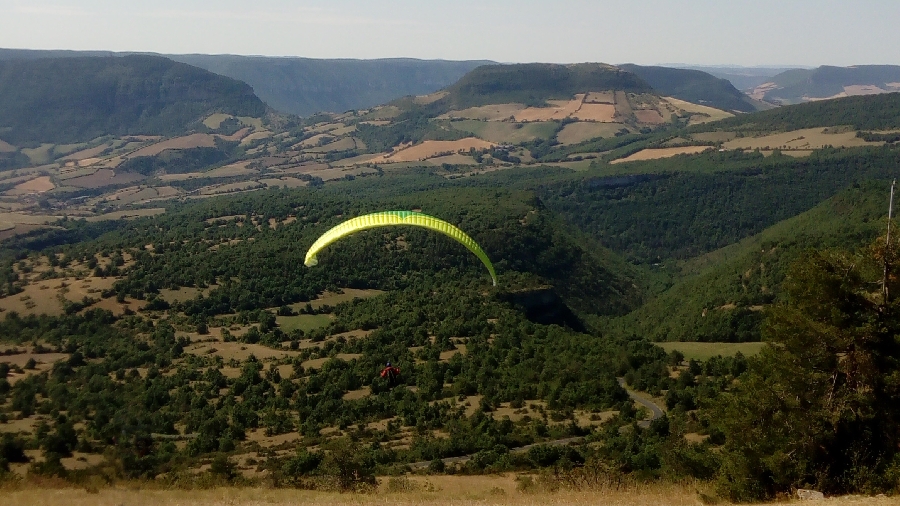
(757, 32)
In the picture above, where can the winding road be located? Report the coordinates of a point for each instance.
(655, 412)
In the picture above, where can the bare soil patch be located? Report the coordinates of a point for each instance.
(215, 120)
(605, 113)
(186, 142)
(37, 185)
(701, 113)
(87, 153)
(235, 169)
(342, 144)
(455, 159)
(600, 97)
(649, 117)
(654, 154)
(255, 136)
(427, 99)
(237, 351)
(493, 112)
(559, 109)
(285, 182)
(128, 214)
(104, 177)
(714, 136)
(6, 147)
(431, 149)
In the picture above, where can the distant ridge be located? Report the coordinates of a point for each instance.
(63, 100)
(804, 85)
(305, 86)
(535, 83)
(693, 86)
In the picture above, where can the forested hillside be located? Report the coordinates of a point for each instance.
(306, 86)
(693, 86)
(68, 100)
(157, 321)
(535, 83)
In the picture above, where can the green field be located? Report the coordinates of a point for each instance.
(704, 351)
(304, 322)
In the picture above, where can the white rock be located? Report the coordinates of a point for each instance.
(810, 495)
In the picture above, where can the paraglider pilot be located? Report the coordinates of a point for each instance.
(391, 374)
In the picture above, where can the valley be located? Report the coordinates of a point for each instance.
(714, 257)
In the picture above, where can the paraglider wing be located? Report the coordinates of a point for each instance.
(389, 218)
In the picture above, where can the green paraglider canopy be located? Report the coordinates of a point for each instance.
(394, 218)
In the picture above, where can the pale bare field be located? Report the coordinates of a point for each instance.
(649, 117)
(493, 112)
(600, 97)
(43, 297)
(654, 154)
(383, 113)
(240, 134)
(379, 122)
(287, 182)
(558, 110)
(235, 169)
(427, 99)
(26, 219)
(130, 213)
(255, 136)
(711, 113)
(184, 293)
(238, 351)
(311, 142)
(103, 177)
(344, 130)
(186, 142)
(37, 185)
(431, 149)
(230, 188)
(573, 133)
(38, 155)
(87, 153)
(505, 131)
(342, 144)
(714, 136)
(623, 104)
(454, 159)
(6, 147)
(604, 113)
(215, 120)
(808, 138)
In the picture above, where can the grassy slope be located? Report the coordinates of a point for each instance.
(747, 274)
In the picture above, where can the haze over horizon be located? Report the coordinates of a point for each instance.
(699, 32)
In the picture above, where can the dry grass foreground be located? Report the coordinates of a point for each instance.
(443, 490)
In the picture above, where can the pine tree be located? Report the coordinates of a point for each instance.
(820, 406)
